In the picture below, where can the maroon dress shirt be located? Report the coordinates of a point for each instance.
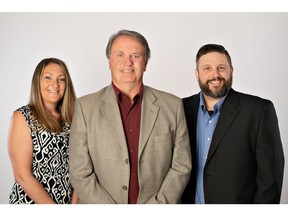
(131, 118)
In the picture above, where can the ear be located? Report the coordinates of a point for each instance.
(197, 74)
(109, 63)
(146, 63)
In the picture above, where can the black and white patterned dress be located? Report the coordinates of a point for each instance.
(50, 162)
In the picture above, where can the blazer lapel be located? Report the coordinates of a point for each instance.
(228, 113)
(149, 113)
(191, 105)
(191, 112)
(111, 113)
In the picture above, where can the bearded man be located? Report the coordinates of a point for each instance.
(235, 140)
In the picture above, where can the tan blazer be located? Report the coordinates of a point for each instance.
(99, 159)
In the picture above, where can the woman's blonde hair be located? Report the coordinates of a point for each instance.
(65, 106)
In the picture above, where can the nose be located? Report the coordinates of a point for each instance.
(55, 83)
(128, 60)
(215, 72)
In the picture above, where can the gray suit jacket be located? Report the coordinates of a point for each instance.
(99, 158)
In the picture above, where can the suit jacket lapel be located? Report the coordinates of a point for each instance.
(228, 113)
(111, 113)
(191, 113)
(149, 113)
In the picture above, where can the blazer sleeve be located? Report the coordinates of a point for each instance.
(269, 157)
(178, 175)
(82, 174)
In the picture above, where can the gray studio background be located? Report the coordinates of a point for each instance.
(257, 43)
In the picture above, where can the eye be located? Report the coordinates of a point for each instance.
(61, 79)
(208, 68)
(221, 68)
(136, 56)
(120, 55)
(47, 77)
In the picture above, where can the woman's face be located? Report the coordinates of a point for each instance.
(52, 84)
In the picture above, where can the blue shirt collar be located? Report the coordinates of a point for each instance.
(217, 107)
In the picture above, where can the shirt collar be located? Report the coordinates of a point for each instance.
(120, 94)
(217, 107)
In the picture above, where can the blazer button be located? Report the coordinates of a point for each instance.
(124, 187)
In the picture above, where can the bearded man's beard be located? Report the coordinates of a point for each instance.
(216, 92)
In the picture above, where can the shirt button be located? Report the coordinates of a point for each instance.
(126, 161)
(124, 187)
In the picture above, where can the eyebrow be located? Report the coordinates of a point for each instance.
(217, 65)
(45, 72)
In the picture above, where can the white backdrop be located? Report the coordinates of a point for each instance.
(257, 43)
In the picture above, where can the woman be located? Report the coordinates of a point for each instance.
(38, 138)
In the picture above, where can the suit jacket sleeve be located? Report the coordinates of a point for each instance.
(82, 174)
(270, 158)
(178, 175)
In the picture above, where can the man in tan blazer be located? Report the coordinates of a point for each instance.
(129, 142)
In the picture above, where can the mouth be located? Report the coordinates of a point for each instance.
(127, 70)
(53, 91)
(216, 81)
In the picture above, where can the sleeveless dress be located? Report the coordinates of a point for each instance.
(50, 162)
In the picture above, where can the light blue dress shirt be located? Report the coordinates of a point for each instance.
(205, 128)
